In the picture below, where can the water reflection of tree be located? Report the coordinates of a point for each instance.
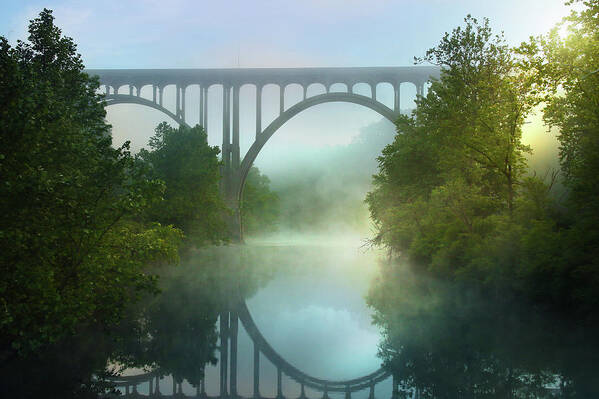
(71, 368)
(175, 332)
(172, 333)
(451, 342)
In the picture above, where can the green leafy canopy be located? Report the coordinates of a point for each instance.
(73, 245)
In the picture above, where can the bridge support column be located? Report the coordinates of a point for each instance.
(281, 99)
(396, 98)
(224, 353)
(180, 102)
(235, 149)
(230, 155)
(233, 329)
(258, 110)
(257, 371)
(229, 190)
(177, 101)
(206, 109)
(201, 120)
(183, 90)
(226, 132)
(279, 384)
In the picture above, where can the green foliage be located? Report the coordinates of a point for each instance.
(260, 206)
(189, 167)
(458, 160)
(72, 249)
(566, 68)
(451, 193)
(50, 371)
(175, 332)
(449, 340)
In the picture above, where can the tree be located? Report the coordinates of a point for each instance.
(73, 249)
(189, 167)
(175, 333)
(457, 163)
(567, 68)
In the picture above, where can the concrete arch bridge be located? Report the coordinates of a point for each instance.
(236, 167)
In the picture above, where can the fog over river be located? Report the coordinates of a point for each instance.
(309, 303)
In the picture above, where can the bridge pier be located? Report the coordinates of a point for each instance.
(229, 193)
(229, 329)
(230, 179)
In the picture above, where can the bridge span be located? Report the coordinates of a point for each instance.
(236, 167)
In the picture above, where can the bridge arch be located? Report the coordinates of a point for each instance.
(261, 346)
(269, 131)
(114, 99)
(323, 385)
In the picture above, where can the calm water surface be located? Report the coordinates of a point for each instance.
(308, 300)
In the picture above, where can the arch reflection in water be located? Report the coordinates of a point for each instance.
(239, 277)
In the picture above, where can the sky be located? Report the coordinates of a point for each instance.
(268, 33)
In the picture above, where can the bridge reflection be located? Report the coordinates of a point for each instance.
(201, 318)
(150, 383)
